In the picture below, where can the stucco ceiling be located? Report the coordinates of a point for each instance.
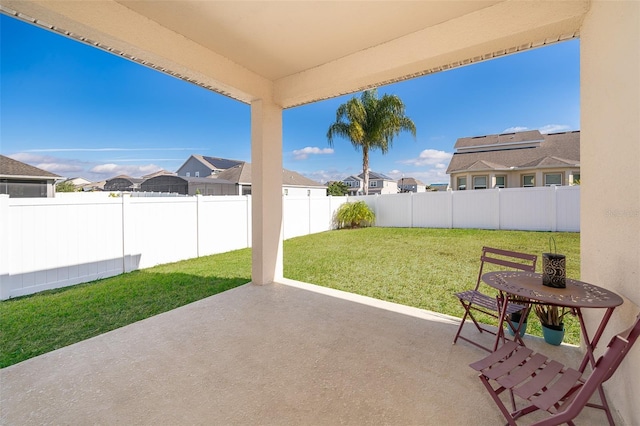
(296, 52)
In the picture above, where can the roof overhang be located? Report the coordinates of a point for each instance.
(304, 51)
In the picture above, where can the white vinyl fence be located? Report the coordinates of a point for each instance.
(48, 243)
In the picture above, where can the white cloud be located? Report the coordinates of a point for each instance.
(59, 166)
(549, 128)
(110, 170)
(554, 128)
(430, 157)
(515, 129)
(303, 154)
(429, 176)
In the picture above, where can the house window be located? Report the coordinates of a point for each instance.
(373, 184)
(197, 174)
(188, 174)
(552, 179)
(479, 182)
(501, 182)
(462, 183)
(528, 180)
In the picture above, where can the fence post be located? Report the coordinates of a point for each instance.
(128, 236)
(450, 209)
(553, 208)
(498, 226)
(198, 227)
(5, 246)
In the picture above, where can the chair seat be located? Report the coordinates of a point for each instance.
(477, 298)
(547, 384)
(532, 377)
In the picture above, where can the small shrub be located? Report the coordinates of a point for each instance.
(354, 215)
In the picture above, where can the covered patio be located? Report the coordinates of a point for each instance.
(276, 55)
(288, 353)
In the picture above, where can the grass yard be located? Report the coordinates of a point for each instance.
(416, 267)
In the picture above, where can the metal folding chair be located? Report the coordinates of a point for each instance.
(548, 385)
(475, 300)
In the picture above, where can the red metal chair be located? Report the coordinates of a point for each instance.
(547, 384)
(476, 300)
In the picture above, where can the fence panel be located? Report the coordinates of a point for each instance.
(223, 224)
(568, 208)
(296, 216)
(321, 214)
(432, 210)
(56, 243)
(475, 209)
(160, 230)
(526, 209)
(394, 210)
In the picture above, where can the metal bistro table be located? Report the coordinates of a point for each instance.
(576, 296)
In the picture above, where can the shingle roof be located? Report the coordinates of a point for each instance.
(499, 139)
(555, 150)
(242, 174)
(409, 181)
(375, 175)
(219, 163)
(11, 167)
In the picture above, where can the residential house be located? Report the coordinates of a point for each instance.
(439, 187)
(378, 184)
(21, 180)
(204, 166)
(78, 182)
(410, 184)
(293, 183)
(510, 160)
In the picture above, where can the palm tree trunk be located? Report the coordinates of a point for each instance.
(365, 169)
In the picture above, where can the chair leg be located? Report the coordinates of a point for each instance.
(494, 394)
(467, 313)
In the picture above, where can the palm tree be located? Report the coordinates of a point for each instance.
(370, 123)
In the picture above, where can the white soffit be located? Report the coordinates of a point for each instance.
(298, 52)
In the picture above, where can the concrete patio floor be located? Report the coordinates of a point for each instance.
(287, 353)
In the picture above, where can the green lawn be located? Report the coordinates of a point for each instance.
(416, 267)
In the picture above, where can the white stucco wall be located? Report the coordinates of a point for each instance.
(610, 153)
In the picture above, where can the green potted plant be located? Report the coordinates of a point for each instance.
(551, 319)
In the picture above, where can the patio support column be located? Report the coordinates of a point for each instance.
(610, 166)
(266, 191)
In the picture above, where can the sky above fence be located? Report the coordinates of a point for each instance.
(77, 111)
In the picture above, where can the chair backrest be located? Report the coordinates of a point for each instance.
(509, 259)
(606, 365)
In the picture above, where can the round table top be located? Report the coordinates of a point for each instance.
(577, 294)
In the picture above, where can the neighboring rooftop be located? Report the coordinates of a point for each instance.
(242, 174)
(15, 168)
(520, 150)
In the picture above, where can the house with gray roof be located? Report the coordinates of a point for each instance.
(293, 183)
(378, 184)
(21, 180)
(204, 166)
(511, 160)
(409, 184)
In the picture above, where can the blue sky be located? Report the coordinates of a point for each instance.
(77, 111)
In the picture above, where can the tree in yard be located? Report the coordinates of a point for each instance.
(66, 186)
(337, 188)
(370, 123)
